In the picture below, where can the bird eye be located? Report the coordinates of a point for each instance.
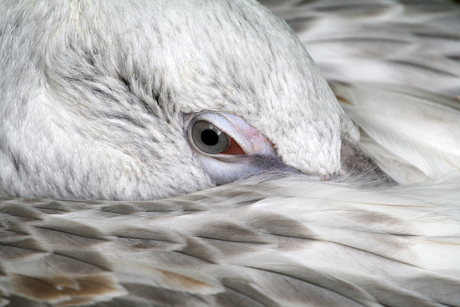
(209, 138)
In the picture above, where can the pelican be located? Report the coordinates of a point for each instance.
(191, 153)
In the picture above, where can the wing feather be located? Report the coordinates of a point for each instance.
(301, 242)
(411, 43)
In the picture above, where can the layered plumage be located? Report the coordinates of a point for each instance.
(275, 243)
(272, 240)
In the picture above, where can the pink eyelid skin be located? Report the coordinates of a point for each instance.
(248, 139)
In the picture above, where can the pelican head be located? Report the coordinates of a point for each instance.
(149, 99)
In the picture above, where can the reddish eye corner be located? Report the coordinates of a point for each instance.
(233, 148)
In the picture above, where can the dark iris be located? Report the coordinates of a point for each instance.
(209, 137)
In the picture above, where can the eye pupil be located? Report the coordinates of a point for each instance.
(209, 137)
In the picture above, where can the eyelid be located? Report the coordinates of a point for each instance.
(249, 140)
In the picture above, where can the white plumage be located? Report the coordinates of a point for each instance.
(280, 238)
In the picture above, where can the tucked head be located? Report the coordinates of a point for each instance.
(149, 99)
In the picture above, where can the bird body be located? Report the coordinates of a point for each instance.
(334, 204)
(285, 241)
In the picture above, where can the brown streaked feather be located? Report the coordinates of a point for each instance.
(303, 241)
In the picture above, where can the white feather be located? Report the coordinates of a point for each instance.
(417, 132)
(385, 41)
(287, 241)
(273, 240)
